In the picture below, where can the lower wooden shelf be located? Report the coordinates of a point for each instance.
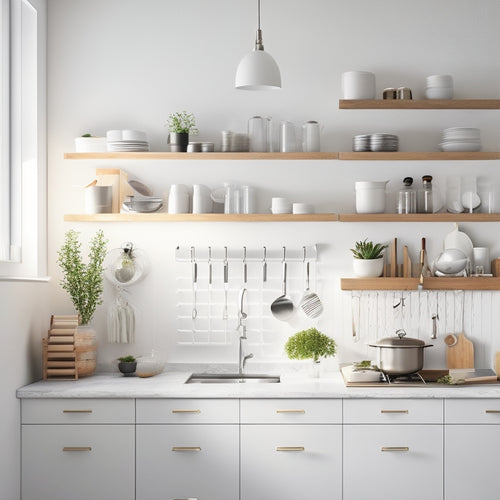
(164, 217)
(473, 283)
(437, 217)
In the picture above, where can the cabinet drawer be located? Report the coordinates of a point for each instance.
(291, 411)
(472, 411)
(393, 411)
(187, 411)
(78, 411)
(78, 462)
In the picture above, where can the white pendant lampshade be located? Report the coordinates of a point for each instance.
(258, 70)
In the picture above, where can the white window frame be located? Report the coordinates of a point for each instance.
(25, 226)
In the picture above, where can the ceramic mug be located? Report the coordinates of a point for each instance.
(202, 202)
(358, 85)
(178, 199)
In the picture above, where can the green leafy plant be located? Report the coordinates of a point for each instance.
(83, 282)
(309, 344)
(366, 364)
(127, 359)
(182, 123)
(368, 250)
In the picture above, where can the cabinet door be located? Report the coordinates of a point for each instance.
(187, 461)
(77, 462)
(292, 462)
(471, 461)
(384, 462)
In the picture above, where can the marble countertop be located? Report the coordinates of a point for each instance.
(172, 385)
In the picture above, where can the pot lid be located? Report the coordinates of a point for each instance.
(400, 340)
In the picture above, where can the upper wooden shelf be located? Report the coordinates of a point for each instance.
(473, 283)
(419, 155)
(419, 104)
(157, 155)
(437, 217)
(164, 217)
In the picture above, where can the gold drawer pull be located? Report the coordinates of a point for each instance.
(186, 411)
(290, 448)
(290, 411)
(394, 448)
(77, 448)
(394, 411)
(77, 411)
(186, 448)
(492, 411)
(185, 498)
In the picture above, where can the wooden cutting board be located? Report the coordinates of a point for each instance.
(460, 352)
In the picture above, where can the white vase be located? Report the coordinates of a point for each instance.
(86, 350)
(368, 268)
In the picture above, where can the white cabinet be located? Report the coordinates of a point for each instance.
(387, 455)
(78, 461)
(472, 441)
(286, 453)
(187, 448)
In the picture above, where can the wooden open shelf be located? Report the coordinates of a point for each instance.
(419, 104)
(438, 217)
(164, 217)
(473, 283)
(157, 155)
(419, 155)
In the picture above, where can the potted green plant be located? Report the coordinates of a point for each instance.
(180, 124)
(368, 261)
(127, 365)
(310, 344)
(84, 283)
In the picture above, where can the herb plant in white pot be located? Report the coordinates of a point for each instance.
(368, 261)
(84, 283)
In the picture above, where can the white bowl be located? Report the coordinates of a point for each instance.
(302, 208)
(90, 144)
(460, 146)
(439, 81)
(439, 92)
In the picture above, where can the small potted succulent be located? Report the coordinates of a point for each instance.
(310, 344)
(180, 125)
(127, 365)
(368, 261)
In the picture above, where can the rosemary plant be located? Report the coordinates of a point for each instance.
(310, 344)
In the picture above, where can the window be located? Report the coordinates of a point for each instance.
(23, 139)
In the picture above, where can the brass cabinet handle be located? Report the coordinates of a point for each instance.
(492, 411)
(77, 411)
(185, 498)
(186, 411)
(394, 411)
(290, 448)
(77, 448)
(395, 448)
(186, 448)
(290, 411)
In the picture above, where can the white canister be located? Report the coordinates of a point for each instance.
(358, 85)
(370, 197)
(178, 199)
(310, 136)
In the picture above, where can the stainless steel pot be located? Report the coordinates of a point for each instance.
(401, 355)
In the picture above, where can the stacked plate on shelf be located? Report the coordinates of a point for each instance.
(461, 139)
(126, 140)
(375, 142)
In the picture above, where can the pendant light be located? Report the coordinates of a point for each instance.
(258, 70)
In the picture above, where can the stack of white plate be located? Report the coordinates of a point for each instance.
(439, 87)
(384, 142)
(461, 139)
(126, 140)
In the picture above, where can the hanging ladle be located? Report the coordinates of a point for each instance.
(282, 307)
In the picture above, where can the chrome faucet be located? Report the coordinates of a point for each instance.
(242, 328)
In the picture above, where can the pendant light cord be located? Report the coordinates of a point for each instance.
(258, 39)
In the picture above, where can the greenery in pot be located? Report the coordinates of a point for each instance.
(310, 344)
(83, 282)
(182, 123)
(127, 359)
(368, 250)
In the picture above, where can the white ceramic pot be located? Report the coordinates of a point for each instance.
(368, 268)
(370, 197)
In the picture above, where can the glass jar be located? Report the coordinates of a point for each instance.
(407, 197)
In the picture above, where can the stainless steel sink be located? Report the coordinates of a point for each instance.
(231, 378)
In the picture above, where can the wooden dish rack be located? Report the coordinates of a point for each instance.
(59, 351)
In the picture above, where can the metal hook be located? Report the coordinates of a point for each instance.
(192, 254)
(284, 254)
(210, 265)
(304, 249)
(264, 266)
(245, 276)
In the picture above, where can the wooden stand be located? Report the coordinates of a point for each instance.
(59, 353)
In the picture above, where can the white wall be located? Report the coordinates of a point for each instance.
(130, 63)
